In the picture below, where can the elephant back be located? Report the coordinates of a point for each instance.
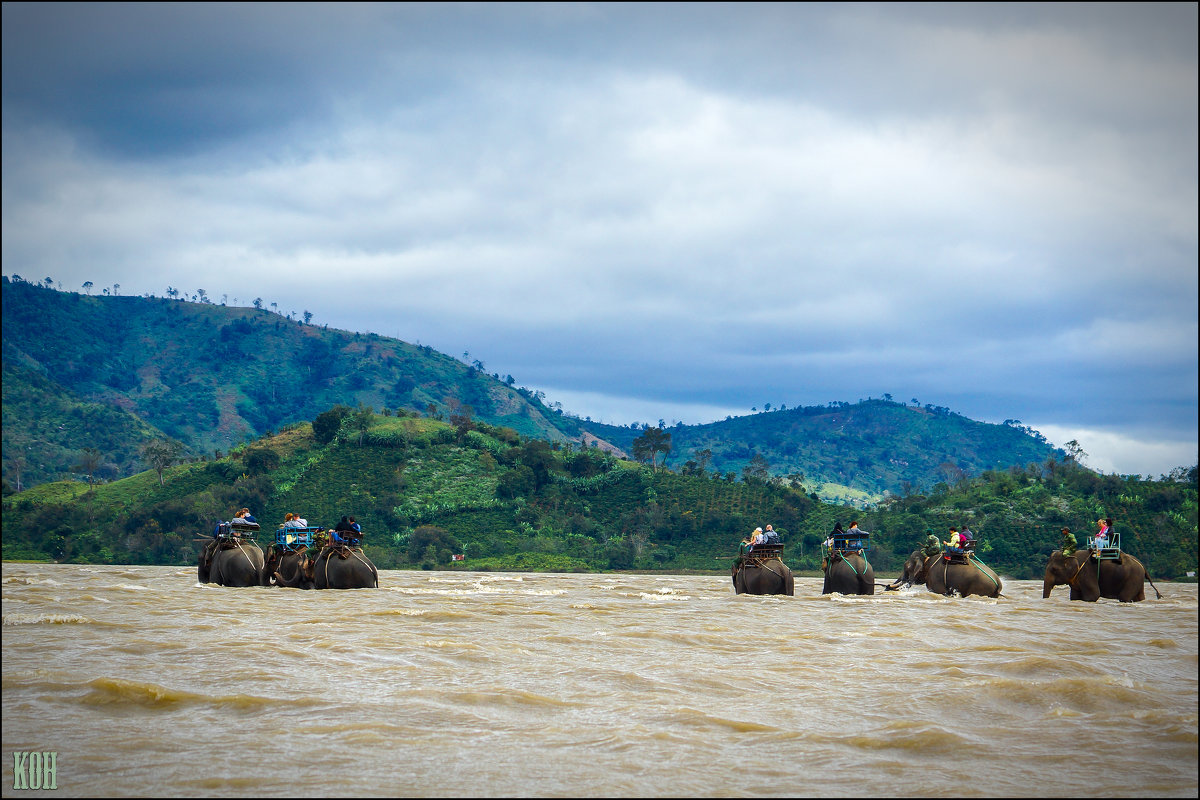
(237, 564)
(344, 568)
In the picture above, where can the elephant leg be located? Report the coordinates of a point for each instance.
(227, 574)
(778, 579)
(1140, 588)
(1134, 590)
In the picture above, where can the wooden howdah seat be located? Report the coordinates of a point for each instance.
(765, 552)
(961, 554)
(235, 529)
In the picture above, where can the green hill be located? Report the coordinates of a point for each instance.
(505, 501)
(424, 490)
(46, 427)
(207, 375)
(114, 372)
(871, 446)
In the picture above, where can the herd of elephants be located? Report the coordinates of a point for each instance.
(1090, 574)
(240, 562)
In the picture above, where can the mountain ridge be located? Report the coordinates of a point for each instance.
(212, 376)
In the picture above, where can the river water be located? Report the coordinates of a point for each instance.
(145, 683)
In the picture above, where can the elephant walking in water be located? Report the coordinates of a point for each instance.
(289, 567)
(231, 562)
(763, 576)
(344, 568)
(1090, 578)
(848, 573)
(943, 576)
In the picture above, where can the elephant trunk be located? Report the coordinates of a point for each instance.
(1048, 585)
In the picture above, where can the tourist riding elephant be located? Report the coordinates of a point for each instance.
(848, 573)
(292, 568)
(231, 563)
(1090, 579)
(344, 568)
(762, 576)
(942, 576)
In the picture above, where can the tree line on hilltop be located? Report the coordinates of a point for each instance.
(114, 372)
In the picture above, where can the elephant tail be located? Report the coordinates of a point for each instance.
(1158, 594)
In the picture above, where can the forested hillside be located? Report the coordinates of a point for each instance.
(207, 375)
(873, 445)
(108, 374)
(425, 489)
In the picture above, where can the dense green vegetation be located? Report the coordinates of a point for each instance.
(115, 373)
(873, 445)
(1017, 515)
(425, 489)
(207, 375)
(46, 429)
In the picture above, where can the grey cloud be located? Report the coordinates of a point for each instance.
(990, 208)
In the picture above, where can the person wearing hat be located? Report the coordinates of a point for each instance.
(756, 539)
(932, 545)
(1068, 543)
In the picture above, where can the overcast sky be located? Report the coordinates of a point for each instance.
(652, 212)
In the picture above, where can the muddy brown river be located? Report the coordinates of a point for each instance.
(142, 682)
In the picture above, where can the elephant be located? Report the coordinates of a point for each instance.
(942, 576)
(231, 562)
(288, 567)
(912, 572)
(1091, 578)
(344, 568)
(848, 573)
(763, 576)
